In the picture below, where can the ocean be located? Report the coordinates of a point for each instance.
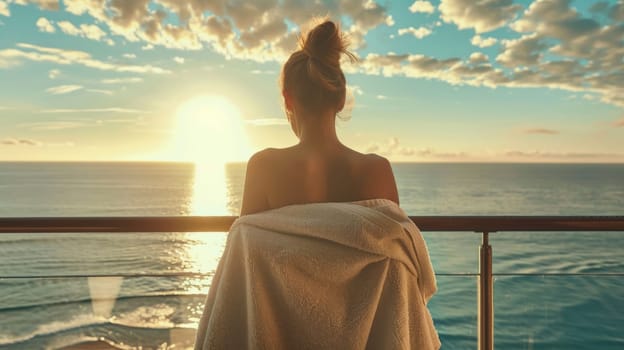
(538, 309)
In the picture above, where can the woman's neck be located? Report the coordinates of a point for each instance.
(319, 131)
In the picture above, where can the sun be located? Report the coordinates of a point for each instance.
(209, 130)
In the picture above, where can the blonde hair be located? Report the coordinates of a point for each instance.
(312, 74)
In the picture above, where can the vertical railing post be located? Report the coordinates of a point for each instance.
(485, 296)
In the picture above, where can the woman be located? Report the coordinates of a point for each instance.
(319, 168)
(344, 269)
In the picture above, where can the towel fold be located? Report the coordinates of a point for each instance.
(322, 276)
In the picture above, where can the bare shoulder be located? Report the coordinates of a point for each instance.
(371, 163)
(381, 178)
(262, 156)
(379, 166)
(377, 161)
(261, 164)
(269, 156)
(254, 194)
(262, 169)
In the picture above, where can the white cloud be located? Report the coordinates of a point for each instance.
(419, 33)
(355, 90)
(63, 89)
(54, 73)
(582, 54)
(53, 125)
(89, 31)
(45, 25)
(129, 55)
(479, 57)
(19, 142)
(479, 41)
(393, 149)
(94, 110)
(147, 47)
(12, 57)
(577, 156)
(595, 67)
(52, 5)
(179, 60)
(355, 34)
(68, 28)
(577, 37)
(100, 91)
(390, 148)
(260, 31)
(260, 71)
(483, 16)
(588, 55)
(4, 9)
(524, 51)
(381, 97)
(267, 121)
(120, 121)
(91, 7)
(16, 142)
(122, 80)
(422, 6)
(415, 66)
(556, 19)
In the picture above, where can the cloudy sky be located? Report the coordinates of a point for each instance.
(447, 80)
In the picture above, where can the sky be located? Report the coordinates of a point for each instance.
(436, 81)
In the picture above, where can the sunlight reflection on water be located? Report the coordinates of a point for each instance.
(195, 252)
(209, 190)
(205, 248)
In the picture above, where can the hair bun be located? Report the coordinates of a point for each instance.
(312, 75)
(325, 43)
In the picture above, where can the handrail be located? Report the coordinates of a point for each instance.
(223, 223)
(483, 224)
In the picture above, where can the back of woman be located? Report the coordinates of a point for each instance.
(295, 176)
(319, 168)
(337, 264)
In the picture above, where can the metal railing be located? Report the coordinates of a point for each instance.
(481, 224)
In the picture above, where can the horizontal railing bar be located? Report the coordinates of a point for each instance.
(117, 224)
(223, 223)
(519, 223)
(124, 275)
(180, 274)
(600, 274)
(192, 274)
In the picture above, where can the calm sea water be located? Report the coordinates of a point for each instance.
(537, 311)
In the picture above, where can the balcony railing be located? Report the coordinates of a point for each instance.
(485, 225)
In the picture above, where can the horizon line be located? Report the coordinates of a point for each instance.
(618, 162)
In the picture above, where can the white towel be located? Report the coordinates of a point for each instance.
(322, 276)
